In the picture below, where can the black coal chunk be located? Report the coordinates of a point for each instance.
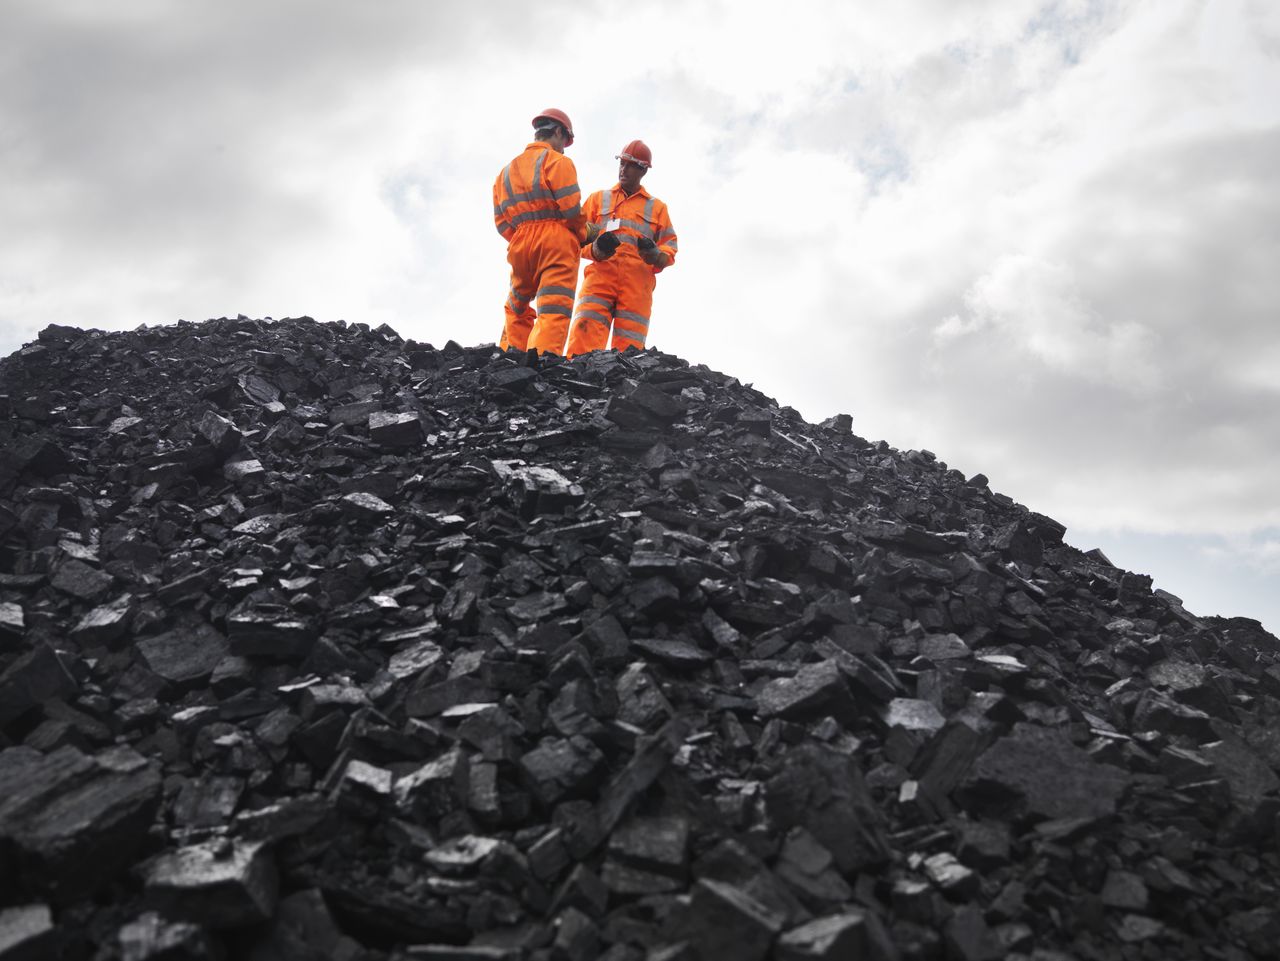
(70, 822)
(855, 932)
(1041, 771)
(221, 883)
(824, 792)
(27, 933)
(184, 654)
(32, 679)
(395, 429)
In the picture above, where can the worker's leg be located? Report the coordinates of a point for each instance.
(631, 315)
(518, 314)
(557, 283)
(594, 312)
(519, 319)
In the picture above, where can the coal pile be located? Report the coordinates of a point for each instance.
(321, 645)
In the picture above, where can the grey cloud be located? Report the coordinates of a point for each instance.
(1104, 369)
(114, 105)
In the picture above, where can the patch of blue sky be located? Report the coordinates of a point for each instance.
(962, 53)
(1065, 29)
(883, 162)
(404, 194)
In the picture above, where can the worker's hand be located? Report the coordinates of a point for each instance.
(593, 231)
(605, 246)
(649, 251)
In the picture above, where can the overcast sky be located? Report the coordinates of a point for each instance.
(1039, 239)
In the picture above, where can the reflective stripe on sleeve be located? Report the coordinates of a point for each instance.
(565, 191)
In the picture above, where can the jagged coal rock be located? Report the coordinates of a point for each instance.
(318, 643)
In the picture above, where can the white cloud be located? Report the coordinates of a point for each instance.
(1036, 307)
(1261, 553)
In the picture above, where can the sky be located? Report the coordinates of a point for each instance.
(1039, 239)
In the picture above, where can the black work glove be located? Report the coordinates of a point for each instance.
(606, 245)
(649, 251)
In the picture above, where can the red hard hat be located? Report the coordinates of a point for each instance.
(560, 117)
(637, 153)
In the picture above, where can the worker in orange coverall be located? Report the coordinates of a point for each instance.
(633, 244)
(537, 208)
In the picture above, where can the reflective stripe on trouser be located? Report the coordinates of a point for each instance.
(613, 295)
(544, 268)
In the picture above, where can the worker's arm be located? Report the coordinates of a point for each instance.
(660, 252)
(562, 180)
(594, 228)
(500, 219)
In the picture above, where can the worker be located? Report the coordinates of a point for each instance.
(537, 208)
(634, 242)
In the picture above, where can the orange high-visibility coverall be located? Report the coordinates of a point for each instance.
(537, 208)
(619, 291)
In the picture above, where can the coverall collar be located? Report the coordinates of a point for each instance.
(640, 191)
